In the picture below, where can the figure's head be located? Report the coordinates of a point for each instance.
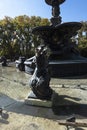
(41, 57)
(41, 50)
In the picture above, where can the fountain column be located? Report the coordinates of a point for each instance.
(56, 19)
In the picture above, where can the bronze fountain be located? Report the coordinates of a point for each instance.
(64, 60)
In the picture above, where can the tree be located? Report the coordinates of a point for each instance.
(16, 36)
(82, 39)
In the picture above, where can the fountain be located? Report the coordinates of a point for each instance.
(64, 59)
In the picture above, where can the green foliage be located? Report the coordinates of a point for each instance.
(16, 36)
(82, 39)
(83, 46)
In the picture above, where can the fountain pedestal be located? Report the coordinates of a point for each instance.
(31, 99)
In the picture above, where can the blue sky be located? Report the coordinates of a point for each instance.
(71, 10)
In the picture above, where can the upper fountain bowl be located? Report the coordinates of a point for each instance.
(50, 2)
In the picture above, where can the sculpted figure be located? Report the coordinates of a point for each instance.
(40, 80)
(55, 8)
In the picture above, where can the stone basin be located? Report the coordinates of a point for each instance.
(60, 31)
(68, 68)
(62, 68)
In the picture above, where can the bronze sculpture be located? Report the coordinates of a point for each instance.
(40, 80)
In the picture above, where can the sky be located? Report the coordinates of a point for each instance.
(71, 10)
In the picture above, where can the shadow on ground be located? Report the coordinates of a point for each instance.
(57, 112)
(64, 106)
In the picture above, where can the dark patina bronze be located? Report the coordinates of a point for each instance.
(64, 53)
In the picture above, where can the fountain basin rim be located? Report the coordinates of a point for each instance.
(67, 29)
(67, 62)
(53, 28)
(63, 62)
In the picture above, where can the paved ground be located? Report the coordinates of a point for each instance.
(70, 98)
